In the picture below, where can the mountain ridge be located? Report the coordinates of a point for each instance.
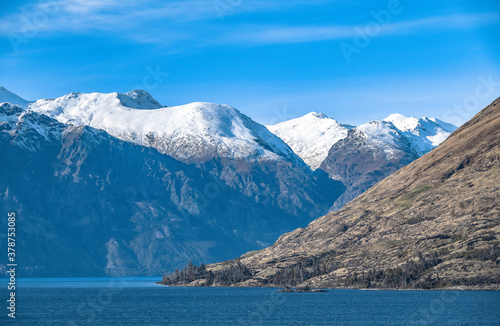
(312, 135)
(217, 130)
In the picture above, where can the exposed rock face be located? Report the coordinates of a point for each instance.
(366, 156)
(91, 204)
(433, 223)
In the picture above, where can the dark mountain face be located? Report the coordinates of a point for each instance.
(360, 163)
(90, 204)
(286, 186)
(432, 224)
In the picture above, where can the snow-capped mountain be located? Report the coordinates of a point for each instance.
(382, 137)
(424, 133)
(311, 136)
(7, 96)
(369, 153)
(202, 180)
(119, 208)
(217, 138)
(103, 176)
(362, 156)
(196, 132)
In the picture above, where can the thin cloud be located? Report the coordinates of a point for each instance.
(198, 22)
(116, 15)
(292, 34)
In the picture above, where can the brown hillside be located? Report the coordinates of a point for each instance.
(434, 223)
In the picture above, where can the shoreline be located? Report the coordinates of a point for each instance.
(454, 288)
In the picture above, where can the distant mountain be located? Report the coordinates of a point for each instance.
(434, 223)
(216, 138)
(367, 155)
(311, 136)
(7, 96)
(193, 133)
(361, 156)
(123, 205)
(424, 133)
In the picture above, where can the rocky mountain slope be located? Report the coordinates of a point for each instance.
(367, 155)
(93, 204)
(434, 223)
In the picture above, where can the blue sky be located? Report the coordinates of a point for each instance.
(273, 60)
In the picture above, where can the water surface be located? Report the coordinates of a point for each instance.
(138, 301)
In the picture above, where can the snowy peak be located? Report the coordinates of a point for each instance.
(444, 125)
(7, 96)
(139, 99)
(310, 136)
(402, 122)
(195, 132)
(424, 133)
(27, 128)
(384, 136)
(81, 108)
(369, 153)
(317, 115)
(377, 129)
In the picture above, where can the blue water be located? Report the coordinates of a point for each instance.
(138, 301)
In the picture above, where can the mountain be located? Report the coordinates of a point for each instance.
(193, 133)
(434, 223)
(424, 133)
(216, 138)
(368, 154)
(360, 156)
(7, 96)
(311, 136)
(91, 204)
(112, 206)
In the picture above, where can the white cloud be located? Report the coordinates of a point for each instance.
(197, 21)
(118, 15)
(294, 34)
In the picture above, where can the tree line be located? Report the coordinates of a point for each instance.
(231, 275)
(418, 273)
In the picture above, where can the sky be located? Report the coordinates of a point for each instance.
(355, 61)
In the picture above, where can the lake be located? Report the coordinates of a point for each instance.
(138, 301)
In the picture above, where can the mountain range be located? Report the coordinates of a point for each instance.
(364, 155)
(132, 197)
(434, 223)
(143, 187)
